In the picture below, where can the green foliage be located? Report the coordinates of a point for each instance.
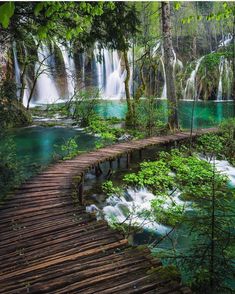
(11, 172)
(227, 131)
(68, 150)
(193, 176)
(12, 112)
(6, 12)
(221, 145)
(150, 117)
(166, 272)
(106, 132)
(152, 175)
(109, 189)
(83, 107)
(210, 145)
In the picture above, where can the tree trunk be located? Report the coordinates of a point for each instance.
(31, 92)
(129, 116)
(168, 61)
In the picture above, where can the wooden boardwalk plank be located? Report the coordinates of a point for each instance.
(49, 246)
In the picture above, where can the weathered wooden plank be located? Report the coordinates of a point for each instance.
(58, 248)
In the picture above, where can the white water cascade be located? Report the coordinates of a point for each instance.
(164, 93)
(191, 87)
(69, 67)
(17, 69)
(129, 209)
(225, 79)
(228, 77)
(175, 63)
(109, 72)
(17, 76)
(220, 86)
(226, 40)
(46, 88)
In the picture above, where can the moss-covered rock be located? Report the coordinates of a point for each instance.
(13, 114)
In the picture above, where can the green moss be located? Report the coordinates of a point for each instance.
(165, 272)
(13, 114)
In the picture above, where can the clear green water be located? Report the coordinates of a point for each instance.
(206, 113)
(37, 146)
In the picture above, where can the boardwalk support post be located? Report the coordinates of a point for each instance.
(140, 154)
(98, 170)
(128, 160)
(81, 190)
(118, 162)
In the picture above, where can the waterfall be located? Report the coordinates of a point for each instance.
(17, 69)
(220, 86)
(134, 204)
(228, 77)
(175, 62)
(226, 40)
(46, 88)
(164, 94)
(109, 73)
(99, 67)
(17, 76)
(191, 87)
(69, 67)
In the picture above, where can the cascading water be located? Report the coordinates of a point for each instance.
(17, 76)
(99, 68)
(129, 209)
(175, 62)
(17, 69)
(110, 76)
(46, 88)
(190, 91)
(226, 40)
(114, 87)
(220, 86)
(228, 77)
(164, 94)
(69, 67)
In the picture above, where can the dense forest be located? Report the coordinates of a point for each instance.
(79, 76)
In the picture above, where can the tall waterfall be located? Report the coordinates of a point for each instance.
(190, 91)
(46, 88)
(17, 69)
(225, 85)
(69, 67)
(220, 86)
(109, 73)
(164, 93)
(17, 74)
(175, 63)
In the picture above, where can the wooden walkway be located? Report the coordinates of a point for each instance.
(47, 245)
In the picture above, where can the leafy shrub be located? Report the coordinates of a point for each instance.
(11, 172)
(109, 189)
(68, 150)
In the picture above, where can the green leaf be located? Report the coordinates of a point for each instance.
(49, 11)
(38, 8)
(177, 5)
(6, 12)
